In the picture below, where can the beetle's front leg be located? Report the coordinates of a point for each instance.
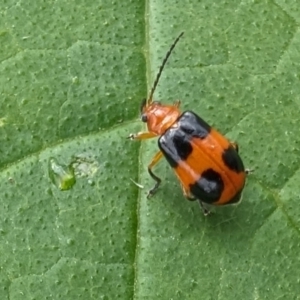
(153, 162)
(141, 135)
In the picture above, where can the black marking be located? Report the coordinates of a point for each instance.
(175, 145)
(175, 142)
(182, 144)
(167, 146)
(193, 125)
(232, 160)
(144, 118)
(209, 187)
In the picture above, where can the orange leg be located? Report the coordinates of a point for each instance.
(141, 135)
(153, 162)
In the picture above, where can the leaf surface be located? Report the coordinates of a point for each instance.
(72, 76)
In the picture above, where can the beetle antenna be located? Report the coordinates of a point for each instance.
(162, 67)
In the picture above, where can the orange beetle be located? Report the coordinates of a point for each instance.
(207, 165)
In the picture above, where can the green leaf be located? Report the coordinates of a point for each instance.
(72, 76)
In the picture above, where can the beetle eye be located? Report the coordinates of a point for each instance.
(144, 118)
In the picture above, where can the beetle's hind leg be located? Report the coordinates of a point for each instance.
(187, 194)
(153, 162)
(236, 147)
(191, 197)
(204, 209)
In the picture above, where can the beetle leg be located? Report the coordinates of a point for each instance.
(204, 209)
(141, 135)
(235, 146)
(153, 162)
(191, 197)
(187, 194)
(177, 103)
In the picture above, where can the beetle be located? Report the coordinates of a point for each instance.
(207, 165)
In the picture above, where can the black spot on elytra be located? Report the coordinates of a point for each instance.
(175, 142)
(209, 187)
(193, 126)
(175, 145)
(167, 148)
(170, 159)
(183, 145)
(232, 160)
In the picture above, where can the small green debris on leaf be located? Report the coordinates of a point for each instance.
(137, 184)
(62, 176)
